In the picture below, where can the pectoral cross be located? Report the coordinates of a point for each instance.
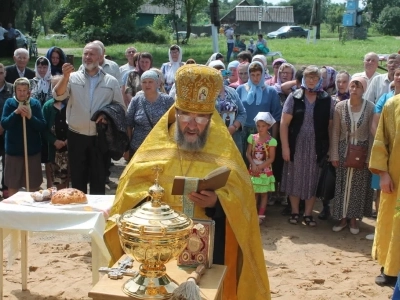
(121, 271)
(157, 170)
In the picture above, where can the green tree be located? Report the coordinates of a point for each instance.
(388, 21)
(334, 15)
(375, 7)
(301, 10)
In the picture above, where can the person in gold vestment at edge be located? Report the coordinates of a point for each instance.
(385, 162)
(191, 140)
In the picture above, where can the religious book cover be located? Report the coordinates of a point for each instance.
(200, 247)
(214, 180)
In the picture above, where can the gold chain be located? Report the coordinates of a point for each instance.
(181, 162)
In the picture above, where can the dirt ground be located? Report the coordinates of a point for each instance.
(303, 262)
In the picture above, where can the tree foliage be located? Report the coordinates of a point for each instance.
(334, 15)
(375, 7)
(301, 10)
(388, 21)
(112, 20)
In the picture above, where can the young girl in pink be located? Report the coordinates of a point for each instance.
(261, 153)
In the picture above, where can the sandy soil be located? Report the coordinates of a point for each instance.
(303, 262)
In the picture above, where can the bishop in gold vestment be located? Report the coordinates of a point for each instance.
(385, 157)
(243, 253)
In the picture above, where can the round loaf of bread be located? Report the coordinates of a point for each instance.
(68, 196)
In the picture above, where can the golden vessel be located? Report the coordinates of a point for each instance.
(153, 234)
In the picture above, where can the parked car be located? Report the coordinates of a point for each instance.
(56, 36)
(182, 35)
(22, 40)
(287, 32)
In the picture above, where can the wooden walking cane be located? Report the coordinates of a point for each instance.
(26, 155)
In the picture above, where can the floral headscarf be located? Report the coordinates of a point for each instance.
(330, 80)
(44, 82)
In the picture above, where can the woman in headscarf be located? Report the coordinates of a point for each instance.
(145, 62)
(256, 97)
(286, 74)
(328, 79)
(145, 109)
(351, 126)
(342, 86)
(305, 129)
(215, 56)
(169, 69)
(231, 109)
(233, 74)
(243, 75)
(57, 58)
(262, 59)
(41, 83)
(41, 90)
(276, 64)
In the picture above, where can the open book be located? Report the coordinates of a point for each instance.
(212, 181)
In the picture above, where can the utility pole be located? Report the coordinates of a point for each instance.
(316, 17)
(214, 10)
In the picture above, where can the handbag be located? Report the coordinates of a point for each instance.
(326, 181)
(236, 49)
(356, 156)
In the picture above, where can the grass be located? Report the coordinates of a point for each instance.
(327, 51)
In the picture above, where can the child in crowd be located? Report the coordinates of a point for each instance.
(15, 109)
(261, 153)
(54, 113)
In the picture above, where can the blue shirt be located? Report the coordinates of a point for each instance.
(381, 102)
(270, 103)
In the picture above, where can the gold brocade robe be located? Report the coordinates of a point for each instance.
(385, 157)
(247, 274)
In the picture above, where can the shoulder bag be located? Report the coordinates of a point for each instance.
(356, 155)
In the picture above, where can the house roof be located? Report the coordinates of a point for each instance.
(278, 14)
(154, 9)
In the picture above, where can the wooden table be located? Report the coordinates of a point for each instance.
(211, 283)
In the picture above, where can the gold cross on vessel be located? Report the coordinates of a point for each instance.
(157, 170)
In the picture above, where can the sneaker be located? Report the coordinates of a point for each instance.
(284, 201)
(261, 219)
(338, 227)
(324, 214)
(354, 230)
(370, 237)
(271, 201)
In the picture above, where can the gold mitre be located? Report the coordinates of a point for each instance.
(197, 88)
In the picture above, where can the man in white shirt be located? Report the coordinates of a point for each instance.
(371, 61)
(379, 85)
(129, 66)
(230, 41)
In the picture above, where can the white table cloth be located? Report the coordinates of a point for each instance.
(20, 213)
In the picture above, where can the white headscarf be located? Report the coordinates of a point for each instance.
(174, 66)
(43, 83)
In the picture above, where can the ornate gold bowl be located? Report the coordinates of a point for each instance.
(153, 234)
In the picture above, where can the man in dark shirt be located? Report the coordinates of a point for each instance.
(6, 91)
(19, 69)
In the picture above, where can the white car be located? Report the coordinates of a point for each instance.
(22, 41)
(182, 35)
(56, 36)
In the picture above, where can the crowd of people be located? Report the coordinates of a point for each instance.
(273, 130)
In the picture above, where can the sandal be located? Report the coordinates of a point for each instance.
(294, 219)
(309, 221)
(261, 219)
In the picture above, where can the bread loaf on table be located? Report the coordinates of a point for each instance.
(68, 196)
